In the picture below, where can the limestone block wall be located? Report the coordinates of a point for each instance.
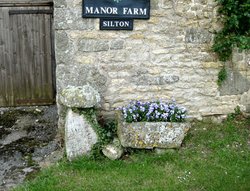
(167, 56)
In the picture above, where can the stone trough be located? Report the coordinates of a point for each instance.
(149, 135)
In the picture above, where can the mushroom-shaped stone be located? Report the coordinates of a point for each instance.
(80, 136)
(80, 96)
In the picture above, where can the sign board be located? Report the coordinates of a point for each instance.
(116, 24)
(132, 9)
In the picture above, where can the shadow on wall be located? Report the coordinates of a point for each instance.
(235, 83)
(238, 77)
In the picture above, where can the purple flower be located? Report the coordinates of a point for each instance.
(162, 107)
(164, 115)
(134, 108)
(153, 111)
(142, 108)
(124, 109)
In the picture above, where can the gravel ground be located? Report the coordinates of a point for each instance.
(28, 141)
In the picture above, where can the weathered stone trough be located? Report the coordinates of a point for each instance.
(149, 135)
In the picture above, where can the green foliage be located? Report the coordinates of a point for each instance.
(222, 76)
(235, 15)
(237, 113)
(105, 133)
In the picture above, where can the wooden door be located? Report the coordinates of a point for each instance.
(27, 56)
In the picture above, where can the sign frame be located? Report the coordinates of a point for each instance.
(129, 9)
(129, 21)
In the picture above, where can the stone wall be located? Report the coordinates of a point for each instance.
(167, 56)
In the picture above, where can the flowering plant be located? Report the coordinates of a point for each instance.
(156, 111)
